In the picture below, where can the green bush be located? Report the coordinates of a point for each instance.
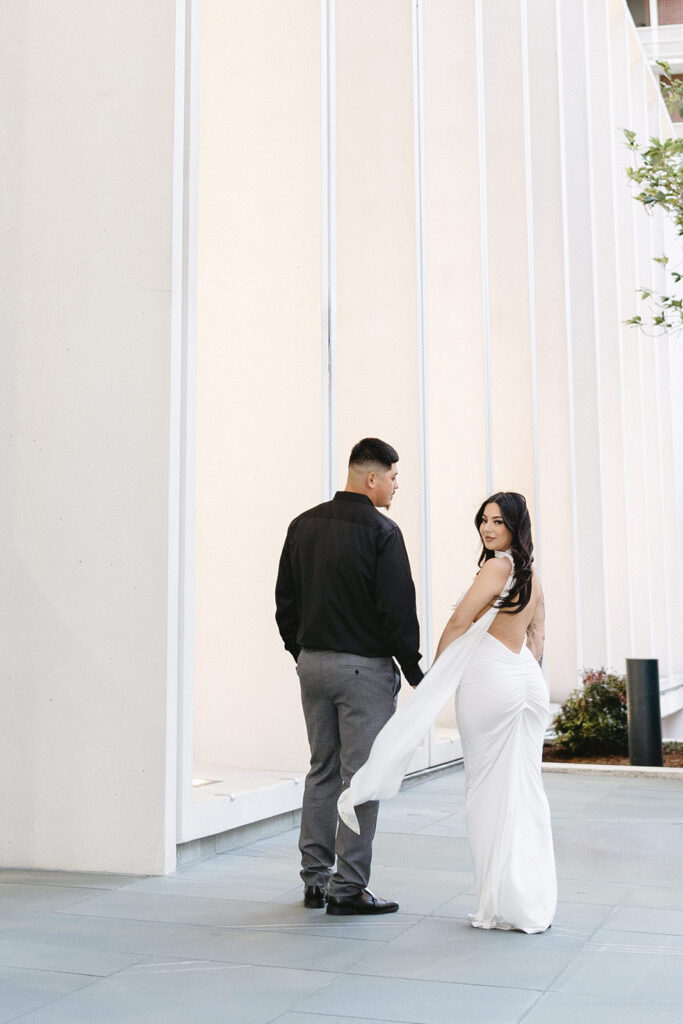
(592, 720)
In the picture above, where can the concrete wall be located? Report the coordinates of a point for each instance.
(259, 364)
(84, 405)
(369, 217)
(465, 231)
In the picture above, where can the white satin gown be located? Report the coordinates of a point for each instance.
(502, 713)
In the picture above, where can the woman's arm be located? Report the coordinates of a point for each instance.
(535, 633)
(485, 589)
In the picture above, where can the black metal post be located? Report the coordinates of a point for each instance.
(644, 714)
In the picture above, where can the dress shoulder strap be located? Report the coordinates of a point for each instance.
(505, 554)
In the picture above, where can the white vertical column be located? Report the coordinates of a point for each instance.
(379, 322)
(182, 485)
(615, 16)
(638, 247)
(579, 212)
(670, 418)
(507, 245)
(596, 111)
(484, 234)
(562, 61)
(531, 262)
(663, 493)
(548, 321)
(422, 366)
(644, 256)
(329, 244)
(259, 372)
(656, 516)
(456, 408)
(90, 222)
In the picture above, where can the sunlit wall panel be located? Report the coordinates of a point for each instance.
(555, 533)
(259, 395)
(377, 332)
(458, 421)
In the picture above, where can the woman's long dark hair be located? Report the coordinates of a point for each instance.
(515, 515)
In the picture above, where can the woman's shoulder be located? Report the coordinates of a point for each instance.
(497, 568)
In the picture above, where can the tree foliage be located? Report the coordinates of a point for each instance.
(657, 173)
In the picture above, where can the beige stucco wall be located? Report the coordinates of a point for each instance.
(84, 403)
(504, 272)
(377, 327)
(528, 266)
(258, 437)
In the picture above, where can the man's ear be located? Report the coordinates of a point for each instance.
(370, 479)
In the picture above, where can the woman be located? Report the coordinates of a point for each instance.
(489, 647)
(502, 713)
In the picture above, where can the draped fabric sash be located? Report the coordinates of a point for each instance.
(381, 776)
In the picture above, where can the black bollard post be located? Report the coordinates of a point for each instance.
(644, 715)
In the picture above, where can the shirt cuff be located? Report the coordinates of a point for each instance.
(413, 673)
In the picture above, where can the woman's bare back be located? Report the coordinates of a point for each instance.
(512, 630)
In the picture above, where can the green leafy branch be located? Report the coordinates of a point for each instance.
(666, 310)
(657, 173)
(672, 88)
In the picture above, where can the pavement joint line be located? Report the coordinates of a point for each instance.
(629, 885)
(57, 970)
(65, 885)
(229, 927)
(282, 927)
(563, 970)
(601, 947)
(443, 981)
(626, 770)
(186, 967)
(532, 1007)
(322, 1013)
(49, 1002)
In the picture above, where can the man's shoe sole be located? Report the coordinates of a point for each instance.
(337, 911)
(314, 904)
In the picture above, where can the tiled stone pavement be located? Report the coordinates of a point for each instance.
(227, 940)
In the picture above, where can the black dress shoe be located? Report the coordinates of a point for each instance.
(315, 896)
(363, 902)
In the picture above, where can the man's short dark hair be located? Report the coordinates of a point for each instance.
(371, 449)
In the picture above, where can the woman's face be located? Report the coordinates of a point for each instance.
(494, 532)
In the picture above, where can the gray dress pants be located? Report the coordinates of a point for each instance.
(346, 700)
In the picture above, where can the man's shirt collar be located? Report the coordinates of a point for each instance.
(352, 496)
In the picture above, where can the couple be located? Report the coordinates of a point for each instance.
(345, 608)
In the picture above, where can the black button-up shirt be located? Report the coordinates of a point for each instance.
(344, 584)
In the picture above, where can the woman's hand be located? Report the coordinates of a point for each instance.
(485, 589)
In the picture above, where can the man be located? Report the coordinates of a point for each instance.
(345, 606)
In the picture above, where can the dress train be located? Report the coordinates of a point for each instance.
(381, 776)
